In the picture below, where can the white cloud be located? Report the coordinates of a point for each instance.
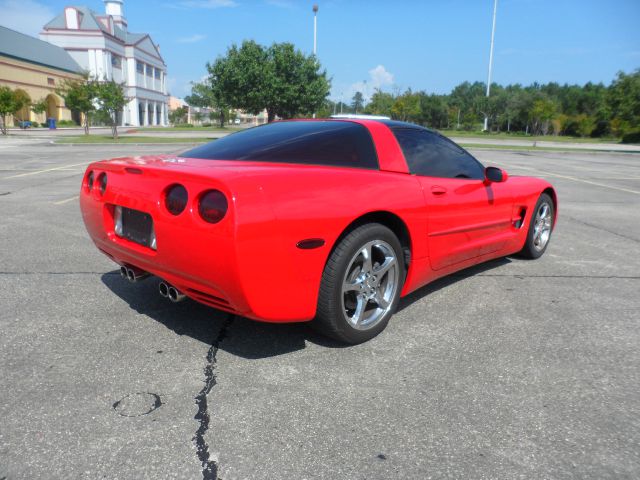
(26, 16)
(379, 77)
(210, 4)
(195, 38)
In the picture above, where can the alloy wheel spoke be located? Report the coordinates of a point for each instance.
(389, 262)
(544, 211)
(380, 300)
(367, 265)
(351, 286)
(358, 315)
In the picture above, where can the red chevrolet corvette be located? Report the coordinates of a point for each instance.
(324, 220)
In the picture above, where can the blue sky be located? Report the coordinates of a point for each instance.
(426, 45)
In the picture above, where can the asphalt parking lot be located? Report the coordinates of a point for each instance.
(515, 369)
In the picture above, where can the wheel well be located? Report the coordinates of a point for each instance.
(552, 193)
(389, 220)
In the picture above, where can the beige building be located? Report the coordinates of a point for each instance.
(38, 69)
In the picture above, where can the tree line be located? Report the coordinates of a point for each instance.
(590, 110)
(95, 99)
(287, 83)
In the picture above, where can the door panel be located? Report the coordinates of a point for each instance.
(466, 218)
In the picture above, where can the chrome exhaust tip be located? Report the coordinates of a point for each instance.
(175, 296)
(163, 288)
(133, 274)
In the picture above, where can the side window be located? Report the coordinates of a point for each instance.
(431, 155)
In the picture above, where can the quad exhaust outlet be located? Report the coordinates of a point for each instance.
(171, 292)
(133, 274)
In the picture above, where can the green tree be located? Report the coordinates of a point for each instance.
(434, 110)
(209, 94)
(179, 115)
(380, 104)
(357, 102)
(111, 100)
(39, 107)
(80, 95)
(585, 124)
(22, 99)
(542, 112)
(298, 86)
(623, 99)
(279, 78)
(406, 107)
(10, 104)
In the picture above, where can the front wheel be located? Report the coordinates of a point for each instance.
(361, 285)
(540, 229)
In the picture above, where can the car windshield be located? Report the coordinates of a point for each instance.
(335, 143)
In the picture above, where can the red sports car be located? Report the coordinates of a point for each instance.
(324, 220)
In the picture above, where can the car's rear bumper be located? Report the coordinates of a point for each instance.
(240, 265)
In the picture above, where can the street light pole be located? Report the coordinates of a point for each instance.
(315, 33)
(493, 32)
(315, 29)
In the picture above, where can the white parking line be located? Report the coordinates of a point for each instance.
(61, 202)
(567, 177)
(37, 172)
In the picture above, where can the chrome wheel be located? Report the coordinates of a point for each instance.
(542, 226)
(370, 284)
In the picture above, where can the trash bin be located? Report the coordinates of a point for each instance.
(52, 123)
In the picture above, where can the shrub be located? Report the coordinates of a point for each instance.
(631, 137)
(183, 125)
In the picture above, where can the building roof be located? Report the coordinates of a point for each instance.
(23, 47)
(90, 21)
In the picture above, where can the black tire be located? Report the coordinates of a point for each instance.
(333, 312)
(532, 247)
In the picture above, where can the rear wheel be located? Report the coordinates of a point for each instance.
(361, 285)
(540, 228)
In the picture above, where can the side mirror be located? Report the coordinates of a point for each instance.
(495, 175)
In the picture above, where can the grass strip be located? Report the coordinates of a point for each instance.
(101, 139)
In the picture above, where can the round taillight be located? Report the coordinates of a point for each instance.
(213, 206)
(102, 179)
(90, 180)
(176, 199)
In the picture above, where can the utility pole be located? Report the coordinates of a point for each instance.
(493, 32)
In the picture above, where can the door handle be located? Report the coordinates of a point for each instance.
(438, 190)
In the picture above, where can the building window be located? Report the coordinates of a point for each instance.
(157, 73)
(140, 67)
(50, 81)
(149, 71)
(116, 61)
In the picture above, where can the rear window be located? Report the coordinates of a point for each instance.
(341, 144)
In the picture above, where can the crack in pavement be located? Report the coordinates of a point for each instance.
(209, 467)
(598, 227)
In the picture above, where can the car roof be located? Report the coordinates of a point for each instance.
(363, 120)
